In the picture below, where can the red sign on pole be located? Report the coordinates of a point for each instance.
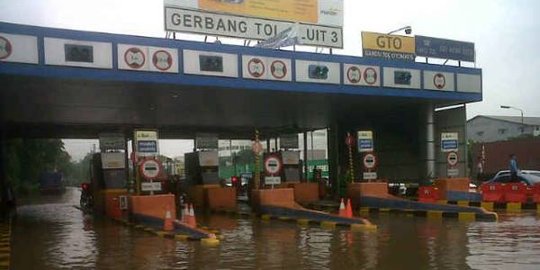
(349, 140)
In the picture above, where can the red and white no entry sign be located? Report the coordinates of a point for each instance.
(278, 69)
(349, 140)
(370, 75)
(134, 58)
(162, 60)
(150, 168)
(272, 164)
(354, 74)
(5, 48)
(452, 158)
(256, 67)
(370, 161)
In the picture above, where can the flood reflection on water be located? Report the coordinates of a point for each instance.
(52, 234)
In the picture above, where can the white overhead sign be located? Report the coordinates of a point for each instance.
(435, 80)
(179, 19)
(266, 68)
(18, 48)
(78, 53)
(361, 75)
(318, 72)
(210, 63)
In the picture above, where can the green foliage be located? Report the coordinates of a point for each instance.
(27, 158)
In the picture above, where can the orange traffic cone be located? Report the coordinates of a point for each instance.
(349, 208)
(185, 214)
(191, 217)
(168, 224)
(342, 210)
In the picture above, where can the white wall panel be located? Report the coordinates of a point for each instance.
(18, 48)
(192, 63)
(266, 68)
(55, 53)
(303, 67)
(389, 80)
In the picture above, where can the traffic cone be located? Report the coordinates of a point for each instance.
(168, 224)
(185, 214)
(349, 208)
(191, 220)
(342, 210)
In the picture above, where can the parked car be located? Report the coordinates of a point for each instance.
(532, 172)
(528, 177)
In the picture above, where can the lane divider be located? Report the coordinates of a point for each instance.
(323, 224)
(171, 235)
(209, 241)
(5, 244)
(431, 214)
(514, 207)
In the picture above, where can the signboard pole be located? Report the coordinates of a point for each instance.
(256, 167)
(351, 163)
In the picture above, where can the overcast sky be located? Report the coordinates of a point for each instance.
(506, 34)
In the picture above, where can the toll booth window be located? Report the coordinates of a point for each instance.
(211, 63)
(79, 53)
(402, 77)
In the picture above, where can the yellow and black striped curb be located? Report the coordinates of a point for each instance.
(323, 224)
(5, 244)
(431, 214)
(172, 235)
(494, 206)
(235, 213)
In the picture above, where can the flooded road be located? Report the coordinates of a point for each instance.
(51, 234)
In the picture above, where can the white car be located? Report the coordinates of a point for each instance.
(531, 172)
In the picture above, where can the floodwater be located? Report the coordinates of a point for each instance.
(52, 234)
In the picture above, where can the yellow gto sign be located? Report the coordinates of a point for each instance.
(388, 46)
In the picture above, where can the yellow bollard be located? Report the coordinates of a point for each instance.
(434, 214)
(466, 217)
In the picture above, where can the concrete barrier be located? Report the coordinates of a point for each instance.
(219, 198)
(153, 205)
(305, 193)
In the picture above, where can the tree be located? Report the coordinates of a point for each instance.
(28, 158)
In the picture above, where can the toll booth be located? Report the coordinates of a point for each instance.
(109, 178)
(202, 168)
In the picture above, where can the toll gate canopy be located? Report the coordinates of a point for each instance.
(65, 83)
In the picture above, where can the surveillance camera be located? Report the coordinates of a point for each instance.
(408, 30)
